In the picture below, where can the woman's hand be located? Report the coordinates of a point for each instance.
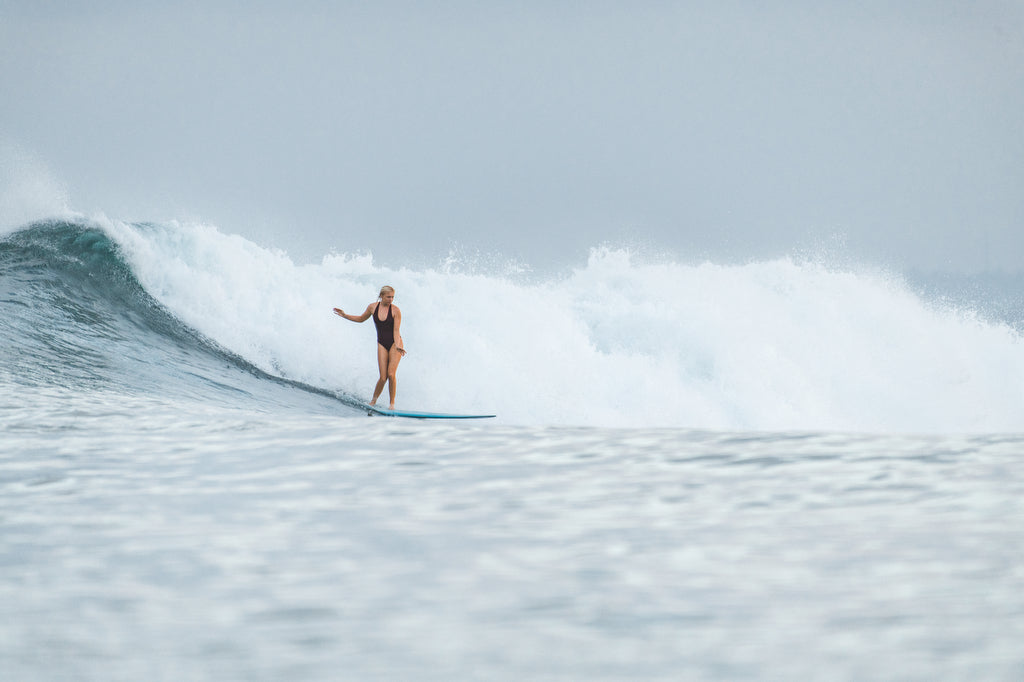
(339, 312)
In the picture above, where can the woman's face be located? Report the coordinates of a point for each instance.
(387, 298)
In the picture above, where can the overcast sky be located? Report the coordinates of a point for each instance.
(728, 130)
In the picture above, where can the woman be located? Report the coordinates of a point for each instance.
(390, 349)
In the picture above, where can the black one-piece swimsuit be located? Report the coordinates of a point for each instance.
(385, 328)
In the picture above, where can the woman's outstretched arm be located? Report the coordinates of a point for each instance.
(355, 318)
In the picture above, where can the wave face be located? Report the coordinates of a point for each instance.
(185, 310)
(74, 317)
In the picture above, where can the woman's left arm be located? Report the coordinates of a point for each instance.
(398, 330)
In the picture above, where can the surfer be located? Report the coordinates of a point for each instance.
(390, 349)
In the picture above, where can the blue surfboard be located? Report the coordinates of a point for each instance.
(384, 412)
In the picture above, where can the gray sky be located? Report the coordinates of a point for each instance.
(728, 130)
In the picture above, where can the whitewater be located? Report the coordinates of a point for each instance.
(618, 341)
(798, 468)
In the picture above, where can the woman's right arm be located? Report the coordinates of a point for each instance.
(355, 318)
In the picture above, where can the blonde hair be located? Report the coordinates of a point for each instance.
(385, 290)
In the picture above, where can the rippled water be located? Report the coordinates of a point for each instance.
(148, 540)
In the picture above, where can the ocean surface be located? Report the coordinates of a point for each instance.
(776, 470)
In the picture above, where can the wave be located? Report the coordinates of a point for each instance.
(618, 341)
(75, 316)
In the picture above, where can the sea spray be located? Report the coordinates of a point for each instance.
(28, 190)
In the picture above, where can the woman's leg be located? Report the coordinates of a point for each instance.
(382, 365)
(393, 357)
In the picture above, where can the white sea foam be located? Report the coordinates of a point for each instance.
(768, 345)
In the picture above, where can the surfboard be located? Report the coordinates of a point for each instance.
(384, 412)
